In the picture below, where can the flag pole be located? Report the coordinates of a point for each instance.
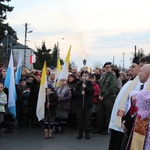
(84, 63)
(48, 109)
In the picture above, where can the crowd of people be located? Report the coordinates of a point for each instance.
(103, 101)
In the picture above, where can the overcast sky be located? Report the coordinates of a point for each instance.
(99, 29)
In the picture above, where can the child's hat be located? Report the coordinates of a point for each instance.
(50, 86)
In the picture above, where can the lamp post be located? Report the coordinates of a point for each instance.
(25, 42)
(58, 46)
(84, 63)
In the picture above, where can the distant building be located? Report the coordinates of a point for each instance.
(8, 44)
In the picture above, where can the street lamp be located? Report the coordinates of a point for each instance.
(84, 63)
(58, 46)
(25, 42)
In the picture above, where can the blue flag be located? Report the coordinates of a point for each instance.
(19, 69)
(10, 84)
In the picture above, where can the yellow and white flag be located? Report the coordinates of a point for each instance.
(57, 72)
(40, 109)
(65, 69)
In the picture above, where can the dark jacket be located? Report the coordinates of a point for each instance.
(53, 100)
(87, 98)
(71, 85)
(33, 97)
(22, 99)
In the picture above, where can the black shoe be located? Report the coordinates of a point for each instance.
(61, 131)
(87, 136)
(80, 136)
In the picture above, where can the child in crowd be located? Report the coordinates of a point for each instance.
(50, 111)
(3, 102)
(84, 91)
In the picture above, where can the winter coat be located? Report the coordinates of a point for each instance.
(53, 100)
(22, 99)
(63, 101)
(3, 101)
(73, 107)
(87, 99)
(33, 97)
(96, 93)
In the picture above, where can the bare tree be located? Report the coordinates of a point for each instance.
(73, 65)
(97, 64)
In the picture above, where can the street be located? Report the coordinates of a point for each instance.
(33, 139)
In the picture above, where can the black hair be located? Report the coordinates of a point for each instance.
(145, 59)
(84, 72)
(135, 60)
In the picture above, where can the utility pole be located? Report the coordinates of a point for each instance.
(25, 43)
(123, 61)
(113, 60)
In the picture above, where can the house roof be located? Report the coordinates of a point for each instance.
(13, 44)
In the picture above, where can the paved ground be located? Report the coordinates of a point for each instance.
(32, 139)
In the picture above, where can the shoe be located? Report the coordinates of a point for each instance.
(80, 136)
(46, 134)
(50, 135)
(87, 136)
(61, 130)
(56, 129)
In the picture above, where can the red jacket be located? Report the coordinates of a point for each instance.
(96, 93)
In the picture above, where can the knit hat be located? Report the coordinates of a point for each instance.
(50, 86)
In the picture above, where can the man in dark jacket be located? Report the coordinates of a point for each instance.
(84, 91)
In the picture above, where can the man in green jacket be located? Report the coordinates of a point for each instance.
(108, 92)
